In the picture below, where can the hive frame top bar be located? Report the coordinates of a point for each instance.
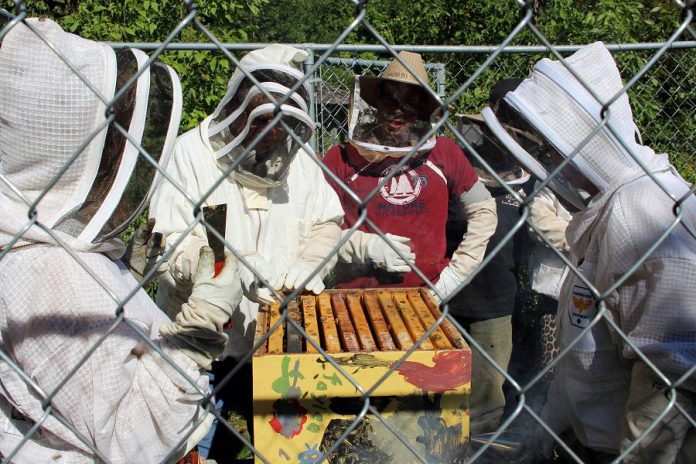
(356, 320)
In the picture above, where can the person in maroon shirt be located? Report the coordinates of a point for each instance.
(389, 119)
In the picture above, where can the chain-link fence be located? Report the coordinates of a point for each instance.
(654, 98)
(87, 375)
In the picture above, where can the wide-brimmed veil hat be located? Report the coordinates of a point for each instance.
(364, 126)
(396, 72)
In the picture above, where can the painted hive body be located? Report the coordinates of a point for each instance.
(303, 405)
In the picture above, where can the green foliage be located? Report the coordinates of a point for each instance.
(578, 22)
(446, 22)
(298, 21)
(662, 100)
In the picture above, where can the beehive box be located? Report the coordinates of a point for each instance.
(303, 404)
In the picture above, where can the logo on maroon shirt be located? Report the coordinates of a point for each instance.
(404, 187)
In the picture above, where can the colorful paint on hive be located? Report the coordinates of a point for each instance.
(288, 415)
(308, 404)
(451, 370)
(310, 456)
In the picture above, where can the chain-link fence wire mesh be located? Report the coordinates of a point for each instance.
(659, 80)
(663, 100)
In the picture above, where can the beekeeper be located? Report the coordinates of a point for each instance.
(63, 288)
(390, 118)
(603, 389)
(485, 307)
(281, 215)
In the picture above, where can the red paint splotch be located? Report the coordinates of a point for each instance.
(218, 267)
(288, 418)
(451, 370)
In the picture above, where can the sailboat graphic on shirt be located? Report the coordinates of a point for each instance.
(403, 188)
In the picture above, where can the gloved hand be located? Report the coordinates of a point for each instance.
(198, 328)
(254, 288)
(384, 257)
(297, 274)
(144, 250)
(184, 260)
(446, 285)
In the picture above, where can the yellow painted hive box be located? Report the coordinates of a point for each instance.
(304, 405)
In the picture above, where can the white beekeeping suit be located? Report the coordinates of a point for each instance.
(602, 389)
(281, 215)
(61, 289)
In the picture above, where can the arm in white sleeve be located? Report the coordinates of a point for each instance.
(482, 219)
(174, 214)
(323, 210)
(198, 327)
(327, 217)
(656, 311)
(322, 242)
(544, 214)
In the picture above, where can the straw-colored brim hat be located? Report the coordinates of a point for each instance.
(395, 71)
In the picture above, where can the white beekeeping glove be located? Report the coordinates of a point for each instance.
(446, 285)
(254, 288)
(482, 220)
(385, 257)
(184, 264)
(321, 243)
(365, 248)
(198, 328)
(298, 273)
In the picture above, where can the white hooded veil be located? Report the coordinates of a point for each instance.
(564, 113)
(50, 115)
(235, 123)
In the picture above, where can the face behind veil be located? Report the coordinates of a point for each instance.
(244, 130)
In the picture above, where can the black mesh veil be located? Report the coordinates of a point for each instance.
(476, 133)
(261, 75)
(236, 128)
(540, 157)
(136, 194)
(125, 177)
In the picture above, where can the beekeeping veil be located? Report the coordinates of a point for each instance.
(237, 124)
(474, 130)
(559, 110)
(369, 96)
(50, 115)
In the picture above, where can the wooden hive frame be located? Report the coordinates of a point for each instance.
(347, 321)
